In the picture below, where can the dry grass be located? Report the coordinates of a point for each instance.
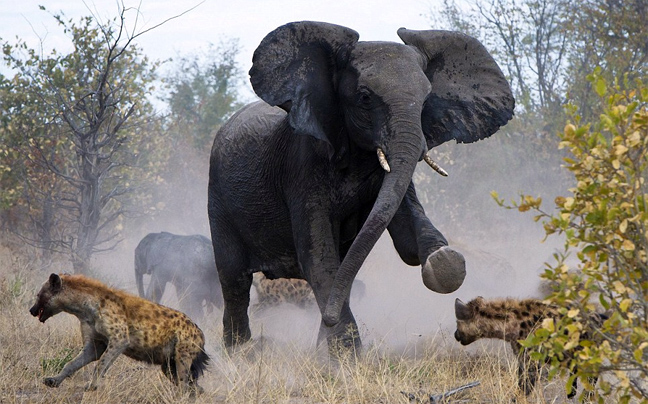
(265, 371)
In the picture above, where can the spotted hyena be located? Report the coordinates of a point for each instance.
(271, 292)
(511, 320)
(114, 322)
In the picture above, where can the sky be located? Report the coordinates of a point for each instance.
(211, 21)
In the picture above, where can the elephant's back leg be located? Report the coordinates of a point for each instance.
(232, 264)
(235, 284)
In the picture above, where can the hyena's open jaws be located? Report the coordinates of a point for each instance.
(114, 322)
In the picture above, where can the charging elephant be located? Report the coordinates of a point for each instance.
(185, 261)
(303, 184)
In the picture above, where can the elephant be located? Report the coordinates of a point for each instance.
(185, 261)
(304, 182)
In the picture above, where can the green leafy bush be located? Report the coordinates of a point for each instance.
(605, 223)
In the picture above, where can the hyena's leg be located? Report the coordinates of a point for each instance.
(528, 370)
(116, 346)
(185, 352)
(92, 350)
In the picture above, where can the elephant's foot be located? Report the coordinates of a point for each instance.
(251, 350)
(444, 270)
(346, 345)
(342, 339)
(233, 338)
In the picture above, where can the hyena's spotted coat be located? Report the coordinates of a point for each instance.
(271, 292)
(115, 322)
(511, 320)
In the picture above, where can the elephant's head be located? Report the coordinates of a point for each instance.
(396, 100)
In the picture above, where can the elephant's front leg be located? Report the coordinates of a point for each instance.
(342, 337)
(317, 240)
(418, 242)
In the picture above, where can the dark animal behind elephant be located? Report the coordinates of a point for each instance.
(187, 262)
(303, 184)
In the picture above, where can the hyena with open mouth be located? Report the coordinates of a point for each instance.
(114, 322)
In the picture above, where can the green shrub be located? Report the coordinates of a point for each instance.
(605, 223)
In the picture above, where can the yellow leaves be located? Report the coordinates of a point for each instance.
(639, 352)
(569, 130)
(623, 226)
(528, 202)
(619, 287)
(620, 150)
(564, 144)
(568, 203)
(634, 139)
(548, 324)
(573, 313)
(625, 305)
(623, 381)
(627, 245)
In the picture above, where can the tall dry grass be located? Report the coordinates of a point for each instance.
(265, 371)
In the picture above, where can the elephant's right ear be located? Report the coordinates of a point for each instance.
(294, 68)
(470, 97)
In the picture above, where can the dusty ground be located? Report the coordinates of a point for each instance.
(281, 366)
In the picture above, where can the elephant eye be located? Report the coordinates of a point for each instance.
(364, 98)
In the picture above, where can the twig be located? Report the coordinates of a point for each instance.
(441, 398)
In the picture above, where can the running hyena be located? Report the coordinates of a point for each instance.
(115, 322)
(511, 320)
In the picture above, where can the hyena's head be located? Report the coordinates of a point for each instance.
(468, 327)
(47, 303)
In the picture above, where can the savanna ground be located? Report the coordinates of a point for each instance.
(283, 365)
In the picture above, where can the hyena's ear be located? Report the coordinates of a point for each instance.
(55, 283)
(462, 311)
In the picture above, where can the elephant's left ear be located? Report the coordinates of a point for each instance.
(294, 68)
(470, 97)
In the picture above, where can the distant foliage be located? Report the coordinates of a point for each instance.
(203, 93)
(78, 142)
(605, 224)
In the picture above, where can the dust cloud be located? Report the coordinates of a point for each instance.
(503, 249)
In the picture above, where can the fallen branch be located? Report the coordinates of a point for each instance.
(440, 398)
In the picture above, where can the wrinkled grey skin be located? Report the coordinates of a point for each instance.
(295, 187)
(185, 261)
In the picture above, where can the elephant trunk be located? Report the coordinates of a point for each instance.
(402, 154)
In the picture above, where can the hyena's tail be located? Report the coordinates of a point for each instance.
(199, 364)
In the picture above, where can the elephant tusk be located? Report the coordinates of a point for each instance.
(434, 165)
(383, 160)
